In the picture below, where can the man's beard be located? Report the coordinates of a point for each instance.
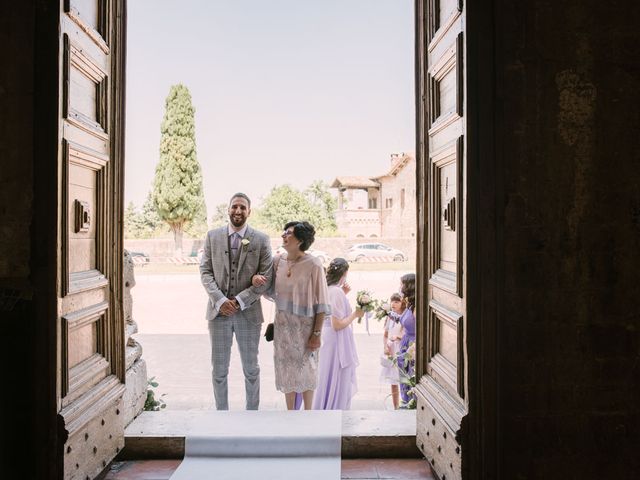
(237, 223)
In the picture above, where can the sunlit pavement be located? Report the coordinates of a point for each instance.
(169, 311)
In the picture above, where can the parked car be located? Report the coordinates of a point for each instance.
(360, 251)
(141, 257)
(322, 255)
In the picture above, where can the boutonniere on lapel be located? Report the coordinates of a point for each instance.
(245, 242)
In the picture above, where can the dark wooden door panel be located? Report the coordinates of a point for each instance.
(441, 391)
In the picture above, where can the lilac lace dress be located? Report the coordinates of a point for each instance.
(298, 299)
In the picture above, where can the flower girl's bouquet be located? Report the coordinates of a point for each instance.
(383, 310)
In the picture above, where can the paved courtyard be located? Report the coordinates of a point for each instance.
(169, 310)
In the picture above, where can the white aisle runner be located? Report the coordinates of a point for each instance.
(250, 445)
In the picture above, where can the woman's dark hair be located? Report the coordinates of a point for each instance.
(304, 232)
(336, 270)
(408, 289)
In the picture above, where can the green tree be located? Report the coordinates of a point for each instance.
(177, 188)
(220, 215)
(320, 197)
(133, 222)
(284, 203)
(142, 224)
(197, 228)
(258, 221)
(151, 221)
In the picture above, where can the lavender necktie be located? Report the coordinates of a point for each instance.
(235, 244)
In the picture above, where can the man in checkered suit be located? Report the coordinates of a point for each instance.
(232, 255)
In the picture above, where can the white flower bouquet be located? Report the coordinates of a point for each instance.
(365, 302)
(383, 310)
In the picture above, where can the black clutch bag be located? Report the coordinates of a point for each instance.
(268, 333)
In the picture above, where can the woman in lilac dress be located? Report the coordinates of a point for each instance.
(338, 357)
(408, 321)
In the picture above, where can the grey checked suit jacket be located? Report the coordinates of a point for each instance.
(255, 258)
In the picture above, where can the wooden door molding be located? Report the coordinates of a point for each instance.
(449, 206)
(96, 25)
(78, 375)
(443, 357)
(78, 63)
(90, 341)
(114, 259)
(77, 156)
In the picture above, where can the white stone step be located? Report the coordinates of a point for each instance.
(365, 434)
(265, 444)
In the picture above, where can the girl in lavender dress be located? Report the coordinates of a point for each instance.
(338, 357)
(408, 321)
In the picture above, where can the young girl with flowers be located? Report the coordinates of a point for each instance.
(391, 346)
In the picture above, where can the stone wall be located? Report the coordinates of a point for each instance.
(163, 247)
(356, 224)
(334, 246)
(398, 220)
(136, 367)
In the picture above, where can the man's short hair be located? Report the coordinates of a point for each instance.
(240, 195)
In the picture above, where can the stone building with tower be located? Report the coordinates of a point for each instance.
(379, 206)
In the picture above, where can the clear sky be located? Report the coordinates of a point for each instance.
(285, 91)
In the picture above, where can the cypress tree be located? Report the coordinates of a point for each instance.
(177, 188)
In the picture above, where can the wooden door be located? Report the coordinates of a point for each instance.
(441, 305)
(90, 333)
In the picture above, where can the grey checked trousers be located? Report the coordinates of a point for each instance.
(221, 331)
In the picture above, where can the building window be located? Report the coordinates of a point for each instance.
(388, 203)
(402, 199)
(373, 203)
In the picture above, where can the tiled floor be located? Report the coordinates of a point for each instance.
(401, 468)
(396, 469)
